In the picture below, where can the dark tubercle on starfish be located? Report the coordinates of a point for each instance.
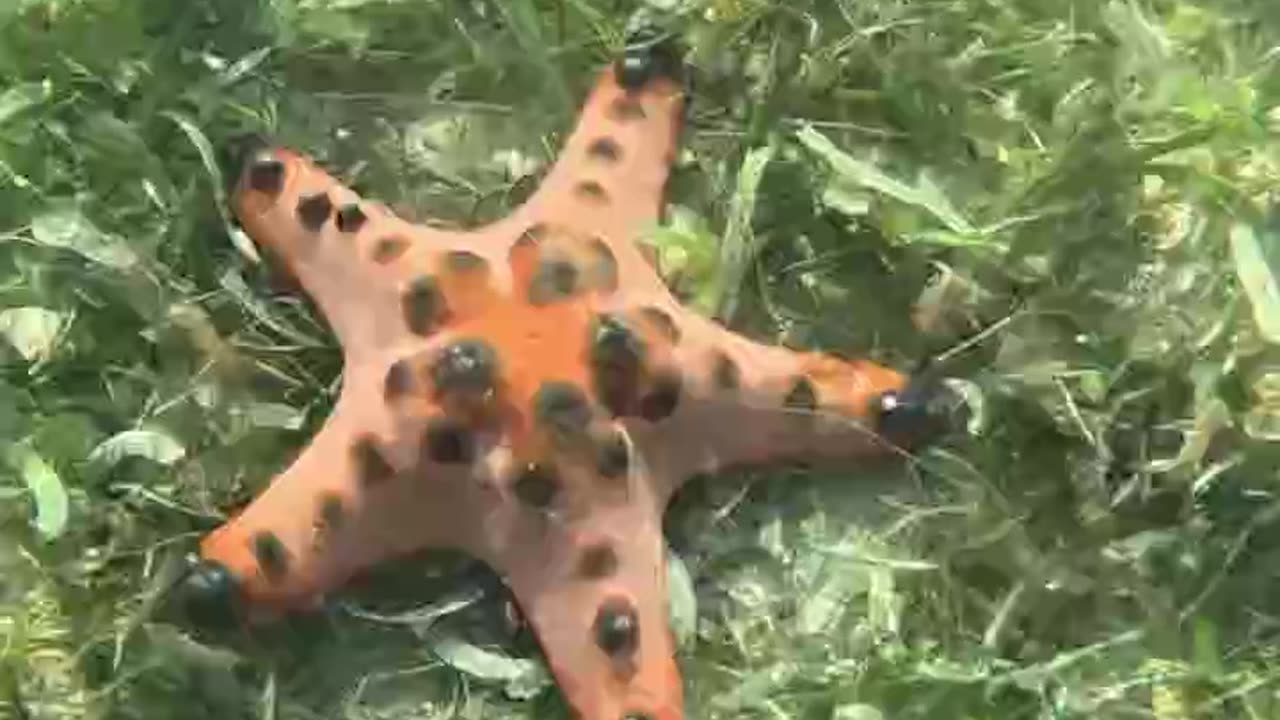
(273, 557)
(605, 149)
(663, 396)
(562, 409)
(802, 396)
(617, 628)
(265, 175)
(331, 513)
(555, 279)
(423, 306)
(447, 441)
(493, 387)
(314, 210)
(725, 373)
(399, 381)
(465, 368)
(350, 218)
(603, 267)
(373, 468)
(389, 249)
(613, 456)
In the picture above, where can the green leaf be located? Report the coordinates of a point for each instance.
(153, 445)
(275, 415)
(241, 68)
(528, 684)
(857, 711)
(522, 677)
(421, 619)
(204, 148)
(971, 394)
(1257, 258)
(823, 602)
(108, 140)
(681, 600)
(849, 201)
(1207, 646)
(32, 331)
(233, 282)
(63, 226)
(19, 98)
(689, 254)
(740, 245)
(47, 491)
(1140, 36)
(114, 139)
(523, 22)
(209, 159)
(477, 661)
(851, 171)
(754, 690)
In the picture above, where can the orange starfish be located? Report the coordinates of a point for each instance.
(531, 393)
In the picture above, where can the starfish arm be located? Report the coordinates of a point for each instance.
(610, 177)
(354, 258)
(589, 576)
(747, 403)
(358, 494)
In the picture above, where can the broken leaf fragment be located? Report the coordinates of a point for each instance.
(32, 331)
(153, 445)
(925, 194)
(1256, 253)
(1212, 414)
(48, 494)
(1262, 421)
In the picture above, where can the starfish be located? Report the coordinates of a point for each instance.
(530, 392)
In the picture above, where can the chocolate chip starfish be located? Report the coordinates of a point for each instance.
(530, 392)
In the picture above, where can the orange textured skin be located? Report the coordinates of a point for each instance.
(333, 512)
